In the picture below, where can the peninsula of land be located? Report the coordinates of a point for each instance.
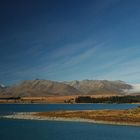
(117, 117)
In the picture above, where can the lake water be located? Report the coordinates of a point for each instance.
(55, 130)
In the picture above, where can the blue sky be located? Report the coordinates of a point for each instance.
(69, 40)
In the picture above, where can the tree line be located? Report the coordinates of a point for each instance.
(112, 99)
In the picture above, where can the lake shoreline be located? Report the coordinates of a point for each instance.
(36, 116)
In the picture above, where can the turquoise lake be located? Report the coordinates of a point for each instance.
(56, 130)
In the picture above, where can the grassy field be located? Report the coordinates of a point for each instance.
(124, 116)
(49, 99)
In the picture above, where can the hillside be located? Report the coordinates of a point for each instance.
(51, 88)
(40, 88)
(37, 88)
(100, 86)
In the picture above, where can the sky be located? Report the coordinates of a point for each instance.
(64, 40)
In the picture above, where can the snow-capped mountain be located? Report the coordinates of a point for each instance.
(84, 87)
(100, 86)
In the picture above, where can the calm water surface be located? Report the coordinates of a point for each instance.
(53, 130)
(49, 107)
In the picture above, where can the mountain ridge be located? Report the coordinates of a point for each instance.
(52, 88)
(93, 86)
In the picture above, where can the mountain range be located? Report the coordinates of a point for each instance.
(52, 88)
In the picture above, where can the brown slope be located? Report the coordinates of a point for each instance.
(100, 86)
(51, 88)
(41, 88)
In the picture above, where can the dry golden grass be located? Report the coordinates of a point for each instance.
(58, 99)
(51, 99)
(127, 116)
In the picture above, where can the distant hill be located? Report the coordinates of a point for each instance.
(52, 88)
(100, 86)
(40, 88)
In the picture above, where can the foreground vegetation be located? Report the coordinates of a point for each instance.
(130, 116)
